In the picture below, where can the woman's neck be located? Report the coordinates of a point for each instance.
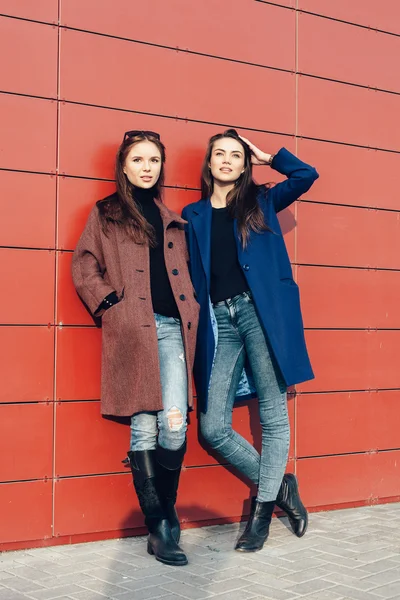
(142, 194)
(220, 193)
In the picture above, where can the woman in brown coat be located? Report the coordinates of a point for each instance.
(130, 268)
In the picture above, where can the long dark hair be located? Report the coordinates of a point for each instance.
(122, 209)
(242, 200)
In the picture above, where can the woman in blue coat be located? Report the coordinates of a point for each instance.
(251, 338)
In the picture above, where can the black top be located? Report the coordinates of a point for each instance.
(227, 279)
(161, 291)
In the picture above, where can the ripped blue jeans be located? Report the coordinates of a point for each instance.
(169, 424)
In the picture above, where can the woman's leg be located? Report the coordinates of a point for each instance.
(216, 423)
(143, 431)
(172, 420)
(155, 469)
(271, 392)
(272, 401)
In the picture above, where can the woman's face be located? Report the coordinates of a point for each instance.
(227, 160)
(143, 164)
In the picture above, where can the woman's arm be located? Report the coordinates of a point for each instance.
(300, 175)
(88, 265)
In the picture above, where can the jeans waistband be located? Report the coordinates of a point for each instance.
(233, 299)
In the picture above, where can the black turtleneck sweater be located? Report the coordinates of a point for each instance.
(227, 279)
(161, 291)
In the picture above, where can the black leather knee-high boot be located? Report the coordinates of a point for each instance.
(169, 465)
(160, 540)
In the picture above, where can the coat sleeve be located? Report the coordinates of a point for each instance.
(88, 265)
(300, 177)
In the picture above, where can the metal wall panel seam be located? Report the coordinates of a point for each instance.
(53, 508)
(372, 451)
(177, 49)
(360, 25)
(350, 83)
(27, 95)
(346, 391)
(29, 20)
(367, 206)
(236, 126)
(185, 119)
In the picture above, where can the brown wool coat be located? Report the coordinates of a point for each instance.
(130, 380)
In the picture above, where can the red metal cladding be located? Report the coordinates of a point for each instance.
(353, 360)
(343, 174)
(26, 363)
(33, 71)
(364, 12)
(370, 124)
(385, 109)
(30, 275)
(28, 133)
(344, 52)
(258, 33)
(24, 427)
(324, 111)
(186, 145)
(214, 492)
(389, 18)
(348, 53)
(78, 363)
(176, 199)
(45, 10)
(348, 422)
(331, 481)
(103, 503)
(76, 198)
(387, 46)
(87, 443)
(26, 511)
(70, 309)
(21, 223)
(198, 453)
(97, 78)
(329, 295)
(345, 236)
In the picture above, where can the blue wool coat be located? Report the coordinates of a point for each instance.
(266, 266)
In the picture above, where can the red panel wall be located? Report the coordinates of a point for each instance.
(320, 78)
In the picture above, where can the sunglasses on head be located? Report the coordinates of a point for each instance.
(135, 132)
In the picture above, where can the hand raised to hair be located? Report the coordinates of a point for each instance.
(258, 157)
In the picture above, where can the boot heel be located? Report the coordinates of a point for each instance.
(149, 549)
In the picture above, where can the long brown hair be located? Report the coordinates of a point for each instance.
(242, 200)
(123, 209)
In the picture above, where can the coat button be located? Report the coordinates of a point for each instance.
(246, 267)
(170, 245)
(189, 325)
(182, 297)
(175, 272)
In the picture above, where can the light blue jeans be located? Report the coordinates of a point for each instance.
(240, 336)
(169, 424)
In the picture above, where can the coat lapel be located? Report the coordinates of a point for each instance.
(202, 216)
(168, 216)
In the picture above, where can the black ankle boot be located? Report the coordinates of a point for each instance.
(169, 464)
(257, 528)
(160, 540)
(290, 502)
